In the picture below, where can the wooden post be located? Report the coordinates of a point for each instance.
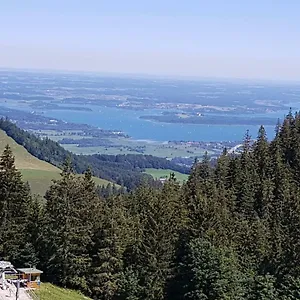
(18, 289)
(3, 280)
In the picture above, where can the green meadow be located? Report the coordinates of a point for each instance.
(165, 173)
(49, 291)
(38, 173)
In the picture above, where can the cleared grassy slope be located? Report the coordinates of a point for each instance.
(163, 173)
(38, 173)
(24, 160)
(49, 291)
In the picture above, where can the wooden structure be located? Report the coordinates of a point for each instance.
(32, 276)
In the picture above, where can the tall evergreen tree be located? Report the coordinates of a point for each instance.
(109, 238)
(158, 218)
(265, 186)
(247, 181)
(263, 288)
(31, 253)
(211, 273)
(14, 202)
(68, 226)
(283, 186)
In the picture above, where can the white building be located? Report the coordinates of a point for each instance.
(5, 266)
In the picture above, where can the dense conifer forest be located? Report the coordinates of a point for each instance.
(232, 231)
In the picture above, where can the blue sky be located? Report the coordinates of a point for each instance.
(212, 38)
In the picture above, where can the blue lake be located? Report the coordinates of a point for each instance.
(129, 122)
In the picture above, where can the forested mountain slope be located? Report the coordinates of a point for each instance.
(38, 173)
(122, 169)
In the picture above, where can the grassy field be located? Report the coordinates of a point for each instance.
(162, 173)
(49, 291)
(24, 160)
(128, 147)
(40, 180)
(122, 145)
(38, 173)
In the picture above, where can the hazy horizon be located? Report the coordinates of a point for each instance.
(256, 40)
(129, 75)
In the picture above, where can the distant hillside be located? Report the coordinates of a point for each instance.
(124, 170)
(38, 173)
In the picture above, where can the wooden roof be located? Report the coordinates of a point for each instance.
(30, 271)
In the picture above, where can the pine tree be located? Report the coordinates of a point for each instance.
(265, 186)
(295, 147)
(33, 249)
(291, 225)
(264, 288)
(109, 238)
(200, 177)
(158, 217)
(289, 288)
(14, 202)
(69, 215)
(247, 181)
(286, 139)
(129, 285)
(222, 170)
(251, 183)
(211, 273)
(282, 191)
(200, 199)
(225, 199)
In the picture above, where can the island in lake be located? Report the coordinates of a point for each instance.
(199, 118)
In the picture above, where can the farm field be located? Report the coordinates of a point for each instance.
(120, 145)
(162, 173)
(129, 146)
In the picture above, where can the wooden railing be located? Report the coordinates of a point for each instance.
(32, 285)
